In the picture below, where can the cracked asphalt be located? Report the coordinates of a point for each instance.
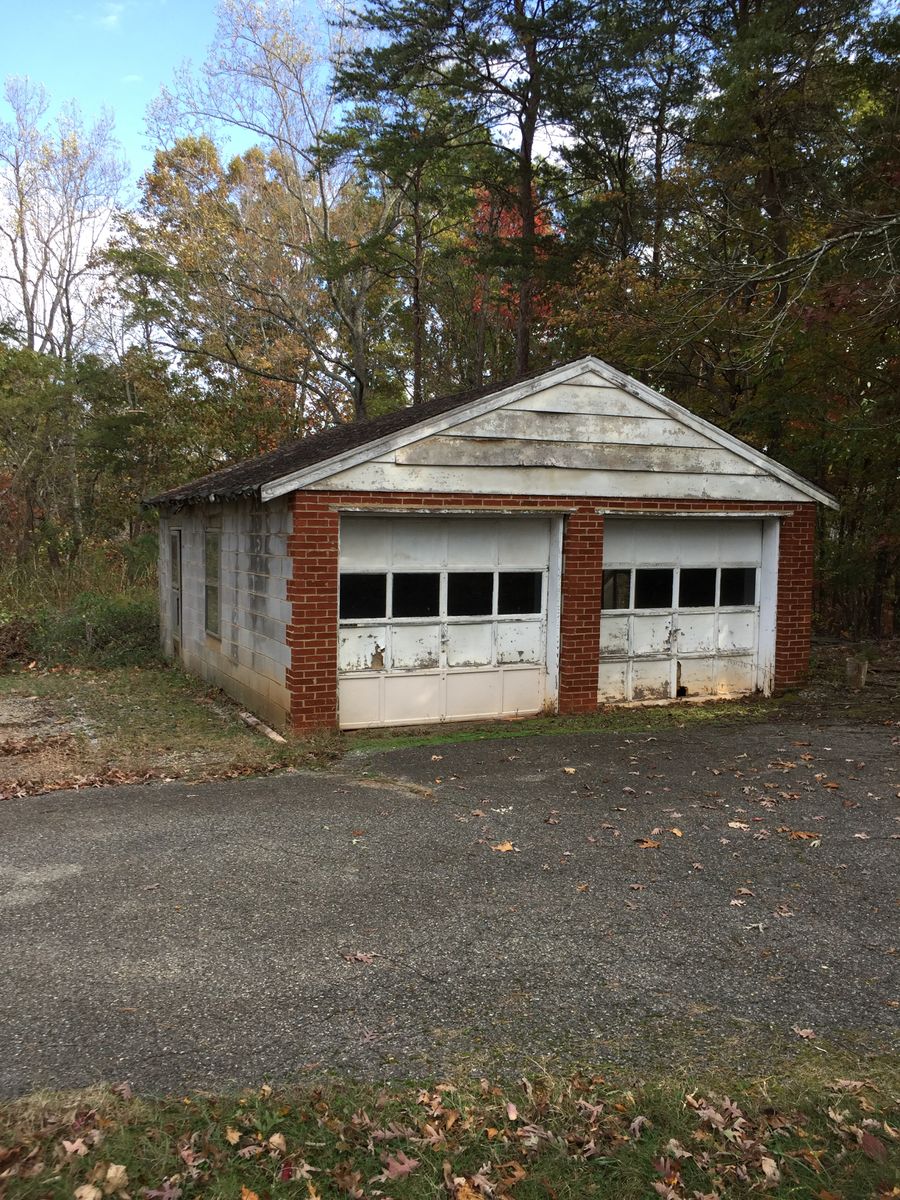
(199, 936)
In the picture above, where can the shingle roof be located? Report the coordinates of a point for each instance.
(247, 477)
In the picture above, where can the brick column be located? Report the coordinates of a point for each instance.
(313, 593)
(795, 579)
(579, 651)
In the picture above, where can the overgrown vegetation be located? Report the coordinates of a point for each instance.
(99, 610)
(820, 1136)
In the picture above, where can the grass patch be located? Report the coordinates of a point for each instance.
(580, 1136)
(614, 719)
(65, 728)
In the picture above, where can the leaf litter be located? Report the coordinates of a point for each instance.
(560, 1136)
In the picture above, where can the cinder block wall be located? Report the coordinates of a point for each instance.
(251, 659)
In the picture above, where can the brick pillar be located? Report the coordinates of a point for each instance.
(313, 632)
(579, 651)
(795, 578)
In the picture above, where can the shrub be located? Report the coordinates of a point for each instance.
(99, 631)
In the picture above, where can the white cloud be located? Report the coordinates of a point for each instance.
(111, 15)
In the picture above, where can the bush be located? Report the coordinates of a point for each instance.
(99, 631)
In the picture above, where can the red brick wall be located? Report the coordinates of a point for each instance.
(313, 591)
(795, 590)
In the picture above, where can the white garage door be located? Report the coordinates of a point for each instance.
(680, 608)
(442, 618)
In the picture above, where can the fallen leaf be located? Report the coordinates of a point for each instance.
(646, 844)
(232, 1137)
(277, 1142)
(874, 1147)
(808, 1034)
(676, 831)
(770, 1169)
(88, 1191)
(638, 1124)
(116, 1179)
(503, 847)
(569, 770)
(360, 956)
(246, 1193)
(512, 1112)
(396, 1166)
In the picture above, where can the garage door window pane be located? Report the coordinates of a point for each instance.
(470, 593)
(416, 595)
(519, 592)
(617, 589)
(738, 585)
(697, 587)
(653, 587)
(363, 596)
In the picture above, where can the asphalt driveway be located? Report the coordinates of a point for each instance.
(599, 896)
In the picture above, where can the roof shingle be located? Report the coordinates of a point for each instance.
(247, 477)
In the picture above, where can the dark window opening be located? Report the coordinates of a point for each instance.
(363, 596)
(416, 595)
(520, 592)
(617, 589)
(738, 585)
(212, 579)
(470, 594)
(697, 587)
(653, 587)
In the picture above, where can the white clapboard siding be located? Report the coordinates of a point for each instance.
(559, 481)
(586, 398)
(581, 456)
(579, 427)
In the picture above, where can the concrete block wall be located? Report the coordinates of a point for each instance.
(251, 658)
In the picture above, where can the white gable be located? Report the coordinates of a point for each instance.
(581, 430)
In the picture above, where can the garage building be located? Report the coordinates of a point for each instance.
(570, 540)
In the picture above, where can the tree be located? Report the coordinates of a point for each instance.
(490, 60)
(60, 184)
(300, 223)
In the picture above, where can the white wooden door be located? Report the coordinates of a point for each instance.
(444, 618)
(680, 608)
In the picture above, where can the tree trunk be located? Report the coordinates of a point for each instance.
(418, 390)
(527, 207)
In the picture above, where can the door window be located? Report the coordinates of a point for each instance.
(416, 594)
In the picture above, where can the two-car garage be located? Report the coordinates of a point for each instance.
(457, 618)
(552, 544)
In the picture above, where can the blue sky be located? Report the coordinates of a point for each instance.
(116, 53)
